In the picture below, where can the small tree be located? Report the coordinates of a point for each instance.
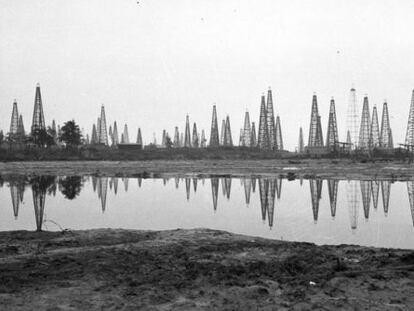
(70, 134)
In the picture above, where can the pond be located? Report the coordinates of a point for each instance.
(368, 212)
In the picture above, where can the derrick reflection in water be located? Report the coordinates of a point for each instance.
(269, 193)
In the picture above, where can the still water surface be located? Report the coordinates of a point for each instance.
(370, 212)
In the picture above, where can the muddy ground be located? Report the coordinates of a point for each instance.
(196, 269)
(323, 168)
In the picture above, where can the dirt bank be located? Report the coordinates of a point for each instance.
(196, 270)
(339, 169)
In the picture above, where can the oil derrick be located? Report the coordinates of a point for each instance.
(227, 187)
(348, 142)
(246, 134)
(14, 124)
(228, 140)
(385, 128)
(385, 190)
(125, 134)
(94, 138)
(223, 129)
(263, 139)
(38, 121)
(214, 134)
(332, 134)
(301, 145)
(87, 140)
(247, 183)
(39, 197)
(139, 137)
(203, 139)
(315, 128)
(270, 119)
(410, 190)
(409, 136)
(278, 134)
(195, 184)
(279, 187)
(263, 192)
(333, 195)
(14, 191)
(316, 191)
(195, 140)
(102, 130)
(365, 126)
(187, 187)
(353, 202)
(366, 197)
(98, 126)
(375, 192)
(21, 132)
(187, 138)
(176, 141)
(352, 120)
(253, 140)
(214, 190)
(374, 135)
(115, 136)
(271, 200)
(102, 191)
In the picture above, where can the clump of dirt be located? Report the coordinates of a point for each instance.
(196, 269)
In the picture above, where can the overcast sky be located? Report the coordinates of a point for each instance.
(150, 63)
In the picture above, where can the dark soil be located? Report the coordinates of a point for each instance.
(196, 270)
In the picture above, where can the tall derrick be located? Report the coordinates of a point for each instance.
(352, 121)
(301, 145)
(385, 128)
(98, 126)
(366, 196)
(125, 134)
(365, 126)
(203, 139)
(374, 135)
(263, 192)
(348, 141)
(164, 138)
(187, 137)
(278, 135)
(271, 200)
(176, 141)
(223, 129)
(102, 131)
(270, 118)
(195, 140)
(39, 197)
(94, 137)
(38, 121)
(246, 139)
(333, 195)
(214, 134)
(409, 136)
(20, 129)
(110, 132)
(14, 124)
(332, 134)
(139, 137)
(263, 139)
(316, 191)
(228, 140)
(315, 128)
(253, 137)
(115, 136)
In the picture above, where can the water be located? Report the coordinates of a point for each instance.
(371, 213)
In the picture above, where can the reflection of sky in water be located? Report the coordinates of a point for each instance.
(323, 212)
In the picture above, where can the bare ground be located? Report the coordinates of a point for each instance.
(196, 269)
(324, 168)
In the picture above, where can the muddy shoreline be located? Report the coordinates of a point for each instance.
(197, 269)
(330, 169)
